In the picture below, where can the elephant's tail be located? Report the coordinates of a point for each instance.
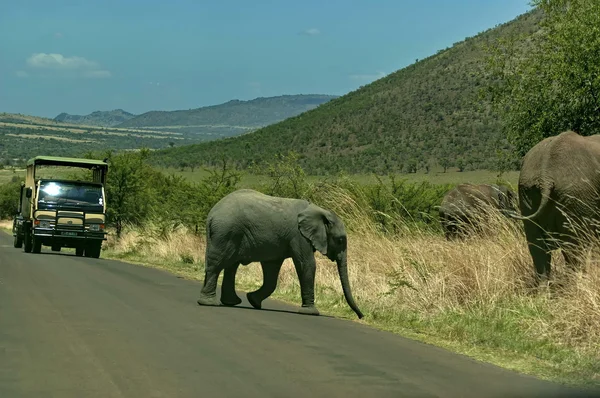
(546, 190)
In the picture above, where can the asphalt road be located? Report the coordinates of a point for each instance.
(78, 327)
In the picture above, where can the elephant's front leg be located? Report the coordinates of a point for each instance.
(228, 295)
(270, 276)
(306, 267)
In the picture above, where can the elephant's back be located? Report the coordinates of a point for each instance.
(558, 157)
(466, 193)
(250, 207)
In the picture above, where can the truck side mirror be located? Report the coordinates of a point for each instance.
(28, 192)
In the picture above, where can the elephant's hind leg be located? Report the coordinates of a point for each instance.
(540, 252)
(270, 271)
(228, 295)
(213, 267)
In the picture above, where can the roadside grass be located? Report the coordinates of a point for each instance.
(472, 297)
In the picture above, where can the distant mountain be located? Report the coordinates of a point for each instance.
(97, 118)
(235, 115)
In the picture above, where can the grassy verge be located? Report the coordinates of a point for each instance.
(471, 297)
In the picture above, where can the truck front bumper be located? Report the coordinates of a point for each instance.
(69, 234)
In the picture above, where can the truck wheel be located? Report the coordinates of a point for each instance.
(18, 241)
(27, 243)
(79, 251)
(37, 245)
(93, 249)
(56, 248)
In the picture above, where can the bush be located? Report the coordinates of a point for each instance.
(9, 198)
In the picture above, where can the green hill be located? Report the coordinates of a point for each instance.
(231, 118)
(97, 118)
(425, 114)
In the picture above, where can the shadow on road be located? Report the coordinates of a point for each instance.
(293, 312)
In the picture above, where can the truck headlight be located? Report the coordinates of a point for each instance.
(96, 227)
(44, 224)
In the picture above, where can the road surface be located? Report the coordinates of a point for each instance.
(79, 327)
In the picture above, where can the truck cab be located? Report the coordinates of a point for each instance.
(62, 212)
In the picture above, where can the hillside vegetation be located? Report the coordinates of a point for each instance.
(231, 118)
(97, 118)
(425, 114)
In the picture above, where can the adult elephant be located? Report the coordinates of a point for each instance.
(463, 206)
(248, 226)
(558, 197)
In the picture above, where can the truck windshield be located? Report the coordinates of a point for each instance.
(59, 192)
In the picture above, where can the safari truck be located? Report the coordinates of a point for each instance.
(62, 213)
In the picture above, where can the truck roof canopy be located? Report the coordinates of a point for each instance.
(60, 161)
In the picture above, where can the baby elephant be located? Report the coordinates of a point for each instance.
(463, 204)
(248, 226)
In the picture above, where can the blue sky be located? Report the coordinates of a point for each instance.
(81, 56)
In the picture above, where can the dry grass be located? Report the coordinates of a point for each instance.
(472, 296)
(6, 225)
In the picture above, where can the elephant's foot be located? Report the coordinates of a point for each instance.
(230, 300)
(254, 300)
(309, 310)
(208, 300)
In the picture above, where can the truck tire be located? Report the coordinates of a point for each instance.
(93, 249)
(27, 243)
(56, 248)
(18, 241)
(79, 251)
(37, 245)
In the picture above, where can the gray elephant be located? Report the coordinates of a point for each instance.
(462, 206)
(558, 197)
(248, 226)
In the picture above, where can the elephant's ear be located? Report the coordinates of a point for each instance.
(311, 223)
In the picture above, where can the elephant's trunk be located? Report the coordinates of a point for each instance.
(342, 266)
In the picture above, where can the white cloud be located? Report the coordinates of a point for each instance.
(312, 32)
(22, 73)
(376, 76)
(74, 64)
(58, 61)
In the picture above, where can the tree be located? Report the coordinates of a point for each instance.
(445, 163)
(550, 82)
(411, 166)
(127, 190)
(9, 198)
